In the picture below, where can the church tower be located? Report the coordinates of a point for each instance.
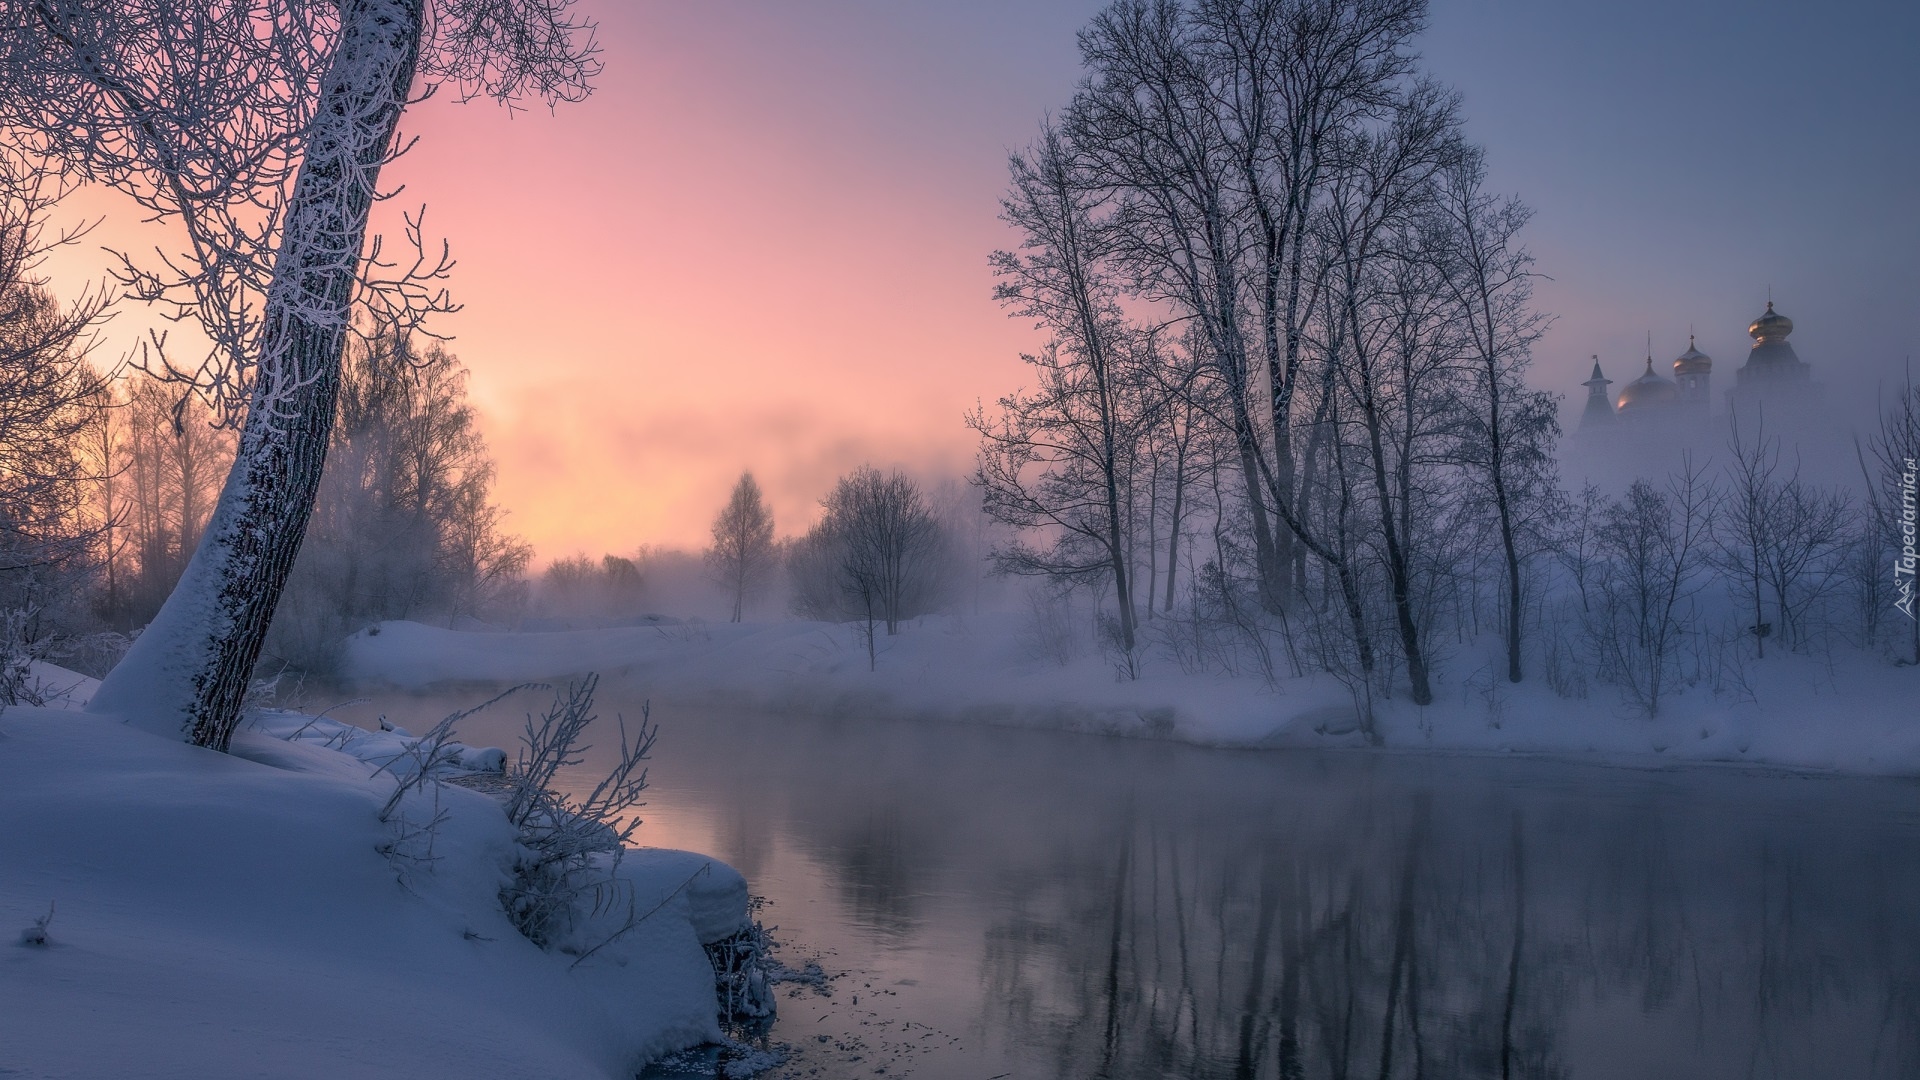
(1774, 377)
(1693, 371)
(1599, 413)
(1649, 399)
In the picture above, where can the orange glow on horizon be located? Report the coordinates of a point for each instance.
(762, 242)
(721, 260)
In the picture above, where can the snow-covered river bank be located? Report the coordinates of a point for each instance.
(1027, 903)
(1849, 714)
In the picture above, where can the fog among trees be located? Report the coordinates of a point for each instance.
(1288, 325)
(1278, 421)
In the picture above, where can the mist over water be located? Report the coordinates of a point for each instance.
(1034, 904)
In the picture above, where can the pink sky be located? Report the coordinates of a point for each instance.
(740, 253)
(762, 243)
(751, 248)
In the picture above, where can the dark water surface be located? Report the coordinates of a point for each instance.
(1035, 905)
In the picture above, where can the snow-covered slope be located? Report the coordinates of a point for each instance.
(1854, 714)
(58, 687)
(232, 916)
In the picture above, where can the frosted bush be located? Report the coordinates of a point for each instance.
(570, 851)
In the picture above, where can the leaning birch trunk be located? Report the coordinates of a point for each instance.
(187, 674)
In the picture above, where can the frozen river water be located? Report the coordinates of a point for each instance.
(1034, 905)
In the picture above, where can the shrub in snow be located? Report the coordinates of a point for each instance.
(416, 764)
(743, 977)
(17, 683)
(746, 974)
(414, 769)
(570, 850)
(1049, 629)
(27, 640)
(37, 933)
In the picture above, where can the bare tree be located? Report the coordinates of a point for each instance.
(1741, 528)
(1397, 353)
(877, 557)
(580, 585)
(1577, 540)
(1654, 542)
(173, 455)
(50, 397)
(1801, 560)
(1060, 459)
(1294, 81)
(1171, 450)
(1509, 430)
(1778, 536)
(260, 127)
(1144, 129)
(404, 526)
(743, 551)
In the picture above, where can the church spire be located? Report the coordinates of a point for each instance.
(1599, 411)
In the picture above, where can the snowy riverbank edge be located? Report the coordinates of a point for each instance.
(219, 915)
(1849, 714)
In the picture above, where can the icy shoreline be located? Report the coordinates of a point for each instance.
(1852, 714)
(235, 915)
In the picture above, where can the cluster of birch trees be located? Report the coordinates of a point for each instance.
(49, 403)
(1280, 415)
(128, 470)
(111, 469)
(109, 475)
(404, 526)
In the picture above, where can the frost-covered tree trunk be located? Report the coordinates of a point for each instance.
(188, 673)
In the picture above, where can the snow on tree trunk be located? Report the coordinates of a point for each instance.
(188, 673)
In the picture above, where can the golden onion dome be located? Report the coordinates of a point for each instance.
(1648, 391)
(1770, 326)
(1693, 361)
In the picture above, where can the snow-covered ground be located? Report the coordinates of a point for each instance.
(220, 915)
(1854, 713)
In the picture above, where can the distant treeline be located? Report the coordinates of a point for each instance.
(1280, 419)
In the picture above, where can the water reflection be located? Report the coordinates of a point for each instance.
(1063, 906)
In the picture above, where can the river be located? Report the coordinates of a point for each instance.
(1035, 905)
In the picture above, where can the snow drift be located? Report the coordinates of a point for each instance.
(233, 916)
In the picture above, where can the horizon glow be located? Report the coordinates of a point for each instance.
(762, 243)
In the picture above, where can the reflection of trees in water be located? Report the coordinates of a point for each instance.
(879, 880)
(1157, 911)
(1461, 941)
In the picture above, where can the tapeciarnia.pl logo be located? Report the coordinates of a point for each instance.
(1903, 562)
